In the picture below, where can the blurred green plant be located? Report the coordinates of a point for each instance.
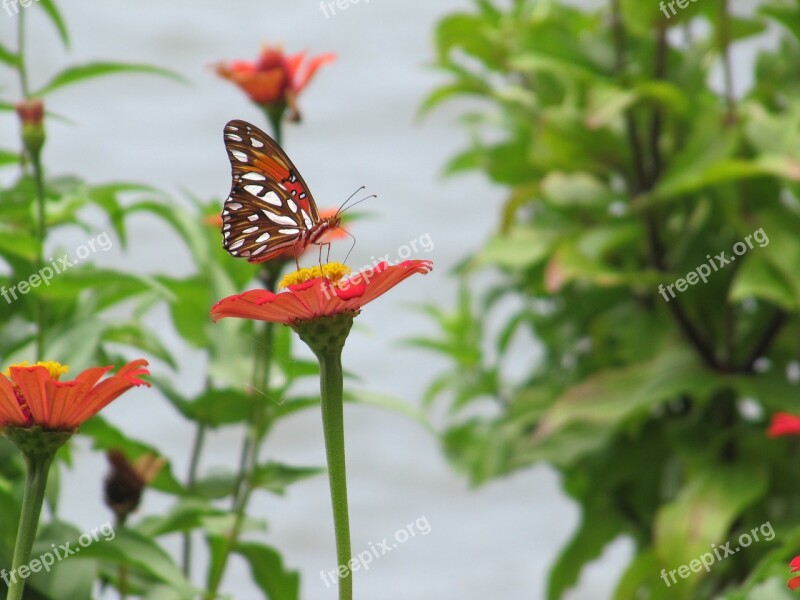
(629, 160)
(90, 315)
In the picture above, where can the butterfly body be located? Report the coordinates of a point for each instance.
(270, 211)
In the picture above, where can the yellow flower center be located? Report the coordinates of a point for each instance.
(333, 272)
(56, 369)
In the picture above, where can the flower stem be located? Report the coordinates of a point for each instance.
(251, 448)
(38, 176)
(326, 337)
(274, 114)
(35, 485)
(331, 387)
(197, 449)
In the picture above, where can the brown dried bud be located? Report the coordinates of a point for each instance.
(126, 481)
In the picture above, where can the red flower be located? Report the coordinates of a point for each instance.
(30, 112)
(318, 292)
(33, 395)
(784, 424)
(274, 77)
(794, 582)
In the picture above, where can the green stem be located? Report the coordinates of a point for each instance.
(122, 573)
(331, 388)
(197, 448)
(21, 66)
(35, 485)
(38, 176)
(274, 114)
(251, 448)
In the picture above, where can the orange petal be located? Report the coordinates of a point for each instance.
(10, 411)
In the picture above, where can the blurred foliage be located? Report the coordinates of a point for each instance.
(628, 161)
(87, 315)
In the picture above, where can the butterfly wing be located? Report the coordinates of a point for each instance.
(270, 208)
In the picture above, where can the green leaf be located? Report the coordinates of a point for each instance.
(136, 335)
(8, 57)
(268, 571)
(55, 16)
(597, 529)
(76, 74)
(704, 511)
(186, 515)
(758, 278)
(614, 395)
(8, 157)
(276, 477)
(141, 553)
(390, 403)
(519, 249)
(640, 575)
(108, 437)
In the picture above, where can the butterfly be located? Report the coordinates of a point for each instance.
(270, 211)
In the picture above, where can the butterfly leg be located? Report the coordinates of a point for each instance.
(327, 254)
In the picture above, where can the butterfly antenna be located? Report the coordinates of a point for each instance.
(339, 211)
(360, 201)
(351, 247)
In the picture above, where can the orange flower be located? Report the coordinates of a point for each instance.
(794, 582)
(784, 424)
(318, 292)
(274, 78)
(30, 112)
(33, 395)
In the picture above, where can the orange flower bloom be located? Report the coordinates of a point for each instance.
(318, 292)
(274, 77)
(34, 396)
(784, 424)
(794, 582)
(30, 112)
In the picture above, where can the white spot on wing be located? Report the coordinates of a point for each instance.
(237, 244)
(254, 189)
(262, 238)
(250, 230)
(306, 219)
(272, 198)
(258, 250)
(279, 219)
(253, 176)
(239, 155)
(292, 205)
(233, 136)
(289, 231)
(256, 143)
(252, 218)
(234, 205)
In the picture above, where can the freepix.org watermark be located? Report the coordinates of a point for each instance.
(681, 4)
(56, 267)
(13, 5)
(423, 243)
(363, 559)
(328, 8)
(717, 262)
(721, 552)
(48, 559)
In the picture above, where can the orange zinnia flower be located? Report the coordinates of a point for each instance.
(33, 395)
(794, 582)
(318, 292)
(784, 424)
(275, 77)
